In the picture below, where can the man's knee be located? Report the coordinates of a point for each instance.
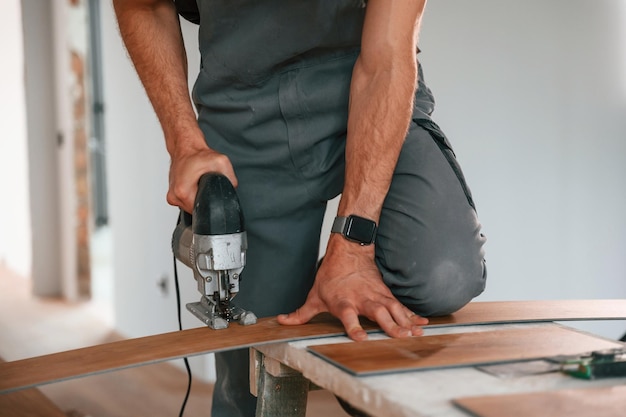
(442, 288)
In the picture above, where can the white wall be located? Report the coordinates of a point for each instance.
(15, 234)
(33, 109)
(531, 95)
(42, 147)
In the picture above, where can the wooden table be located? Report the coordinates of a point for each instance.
(282, 373)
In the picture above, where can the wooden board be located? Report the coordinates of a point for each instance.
(596, 402)
(534, 311)
(141, 351)
(458, 349)
(123, 354)
(28, 403)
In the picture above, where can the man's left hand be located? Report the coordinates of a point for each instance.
(348, 284)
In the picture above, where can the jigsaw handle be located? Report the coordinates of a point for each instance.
(216, 210)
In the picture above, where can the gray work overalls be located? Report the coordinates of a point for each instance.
(272, 94)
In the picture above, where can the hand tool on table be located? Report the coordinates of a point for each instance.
(212, 242)
(606, 363)
(598, 364)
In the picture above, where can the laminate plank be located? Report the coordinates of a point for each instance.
(597, 402)
(459, 349)
(28, 403)
(163, 347)
(491, 312)
(123, 354)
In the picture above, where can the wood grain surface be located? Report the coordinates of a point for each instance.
(28, 403)
(534, 311)
(151, 349)
(458, 349)
(584, 402)
(60, 366)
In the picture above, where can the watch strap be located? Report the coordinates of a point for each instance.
(339, 225)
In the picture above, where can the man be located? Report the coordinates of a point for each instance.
(297, 102)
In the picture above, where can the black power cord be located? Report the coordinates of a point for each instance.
(180, 327)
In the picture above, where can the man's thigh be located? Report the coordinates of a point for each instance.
(282, 249)
(429, 244)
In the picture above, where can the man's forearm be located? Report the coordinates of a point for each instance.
(381, 104)
(151, 32)
(380, 115)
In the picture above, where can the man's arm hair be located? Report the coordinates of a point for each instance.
(381, 103)
(152, 35)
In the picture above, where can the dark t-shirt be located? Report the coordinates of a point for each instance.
(245, 42)
(248, 40)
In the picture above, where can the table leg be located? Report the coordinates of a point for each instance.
(280, 390)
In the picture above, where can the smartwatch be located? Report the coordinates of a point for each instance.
(356, 229)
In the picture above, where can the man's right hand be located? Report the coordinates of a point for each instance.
(187, 166)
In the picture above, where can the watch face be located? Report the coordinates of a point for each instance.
(360, 229)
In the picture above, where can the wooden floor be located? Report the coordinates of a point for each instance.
(31, 327)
